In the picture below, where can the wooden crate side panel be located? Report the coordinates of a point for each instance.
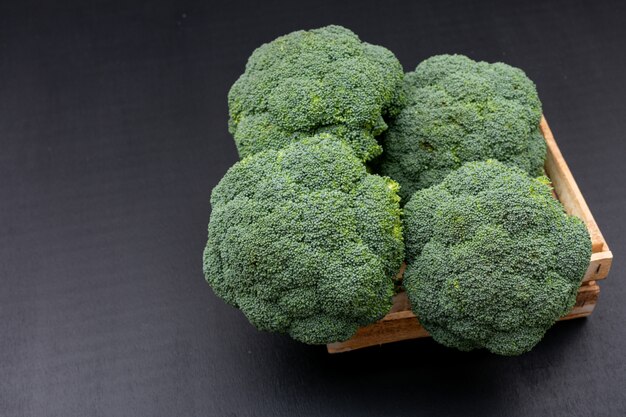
(567, 190)
(404, 325)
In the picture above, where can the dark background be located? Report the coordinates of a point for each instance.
(113, 130)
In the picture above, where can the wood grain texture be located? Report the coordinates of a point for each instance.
(599, 266)
(402, 324)
(566, 188)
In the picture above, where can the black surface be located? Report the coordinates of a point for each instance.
(113, 132)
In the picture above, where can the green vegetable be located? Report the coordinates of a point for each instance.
(308, 82)
(460, 110)
(304, 241)
(492, 259)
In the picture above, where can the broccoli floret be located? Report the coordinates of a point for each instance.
(309, 82)
(493, 260)
(459, 110)
(304, 241)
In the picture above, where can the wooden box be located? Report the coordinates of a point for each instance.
(402, 324)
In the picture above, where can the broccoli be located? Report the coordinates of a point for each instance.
(318, 81)
(457, 111)
(304, 241)
(492, 258)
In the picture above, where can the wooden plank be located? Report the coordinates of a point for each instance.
(401, 326)
(404, 325)
(587, 294)
(599, 266)
(567, 190)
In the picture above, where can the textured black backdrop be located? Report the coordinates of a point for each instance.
(113, 132)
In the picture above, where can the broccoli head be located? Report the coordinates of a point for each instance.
(493, 260)
(304, 241)
(318, 81)
(457, 111)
